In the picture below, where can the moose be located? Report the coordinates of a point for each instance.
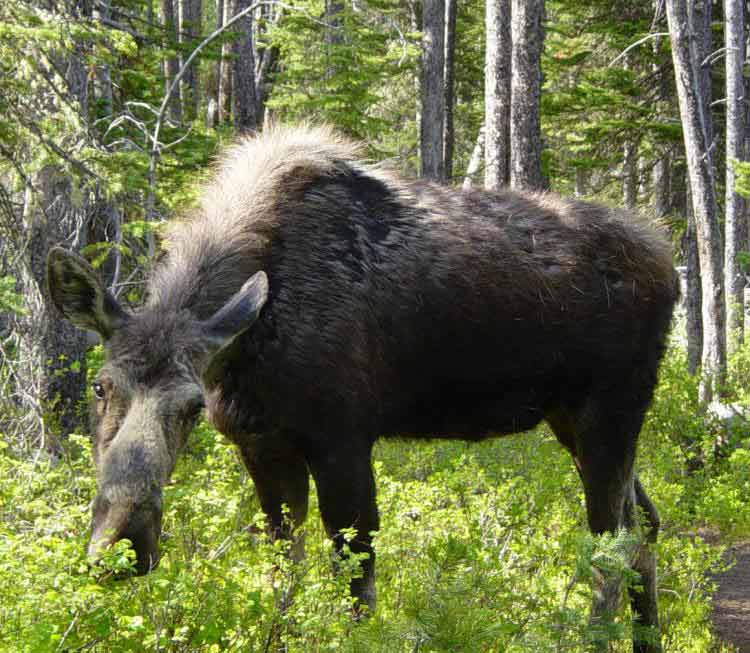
(315, 302)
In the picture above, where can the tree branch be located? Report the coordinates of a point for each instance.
(635, 45)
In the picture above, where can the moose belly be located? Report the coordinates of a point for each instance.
(470, 414)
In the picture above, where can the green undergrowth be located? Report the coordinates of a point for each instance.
(482, 548)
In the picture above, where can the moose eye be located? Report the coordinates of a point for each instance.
(98, 389)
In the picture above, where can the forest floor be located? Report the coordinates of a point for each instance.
(732, 600)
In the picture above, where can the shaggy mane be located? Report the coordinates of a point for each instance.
(252, 173)
(210, 254)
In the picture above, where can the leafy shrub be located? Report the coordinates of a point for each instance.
(482, 547)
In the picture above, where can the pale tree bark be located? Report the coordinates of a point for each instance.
(527, 36)
(245, 105)
(171, 63)
(450, 47)
(685, 56)
(693, 303)
(433, 90)
(475, 162)
(497, 98)
(224, 94)
(190, 21)
(266, 59)
(680, 201)
(734, 220)
(219, 8)
(699, 17)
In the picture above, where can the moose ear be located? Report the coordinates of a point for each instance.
(238, 314)
(80, 295)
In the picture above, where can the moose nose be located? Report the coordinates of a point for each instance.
(139, 522)
(109, 522)
(96, 546)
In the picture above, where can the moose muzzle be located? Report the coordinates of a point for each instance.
(125, 519)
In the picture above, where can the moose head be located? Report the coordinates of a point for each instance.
(147, 395)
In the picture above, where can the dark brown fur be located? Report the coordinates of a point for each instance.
(405, 308)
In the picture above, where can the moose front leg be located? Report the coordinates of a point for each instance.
(346, 494)
(280, 475)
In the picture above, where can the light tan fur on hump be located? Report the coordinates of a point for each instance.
(258, 171)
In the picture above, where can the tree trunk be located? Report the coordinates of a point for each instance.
(497, 97)
(745, 244)
(476, 160)
(190, 20)
(433, 90)
(629, 162)
(527, 35)
(679, 191)
(171, 63)
(581, 188)
(734, 221)
(333, 33)
(660, 175)
(102, 78)
(52, 369)
(699, 17)
(630, 174)
(693, 320)
(47, 379)
(266, 58)
(660, 183)
(219, 6)
(76, 79)
(224, 99)
(52, 361)
(450, 46)
(695, 120)
(415, 23)
(245, 118)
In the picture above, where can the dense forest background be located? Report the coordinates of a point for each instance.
(111, 112)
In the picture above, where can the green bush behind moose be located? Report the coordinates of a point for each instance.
(482, 548)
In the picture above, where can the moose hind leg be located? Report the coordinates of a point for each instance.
(346, 494)
(643, 600)
(607, 429)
